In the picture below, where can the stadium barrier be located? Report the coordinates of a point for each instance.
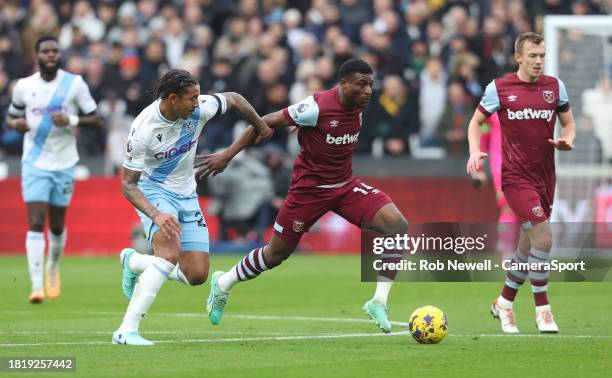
(100, 220)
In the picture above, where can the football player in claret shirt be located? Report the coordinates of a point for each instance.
(528, 104)
(328, 125)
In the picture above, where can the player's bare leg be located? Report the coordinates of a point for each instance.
(388, 221)
(502, 308)
(167, 252)
(251, 266)
(540, 237)
(57, 241)
(35, 248)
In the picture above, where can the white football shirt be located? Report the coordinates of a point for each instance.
(165, 150)
(47, 146)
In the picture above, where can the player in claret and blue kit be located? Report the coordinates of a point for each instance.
(328, 128)
(528, 104)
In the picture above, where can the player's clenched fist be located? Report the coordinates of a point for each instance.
(168, 225)
(19, 124)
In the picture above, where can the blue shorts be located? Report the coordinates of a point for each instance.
(53, 187)
(194, 232)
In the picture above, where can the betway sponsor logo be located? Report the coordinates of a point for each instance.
(174, 151)
(531, 114)
(345, 139)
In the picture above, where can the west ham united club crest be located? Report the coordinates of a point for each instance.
(538, 211)
(549, 96)
(298, 226)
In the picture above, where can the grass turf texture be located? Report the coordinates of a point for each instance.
(284, 340)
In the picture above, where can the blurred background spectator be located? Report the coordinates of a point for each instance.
(432, 58)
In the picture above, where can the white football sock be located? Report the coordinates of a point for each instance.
(56, 248)
(138, 263)
(383, 286)
(178, 275)
(504, 303)
(149, 283)
(227, 280)
(35, 250)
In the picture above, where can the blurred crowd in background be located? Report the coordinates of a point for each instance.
(432, 60)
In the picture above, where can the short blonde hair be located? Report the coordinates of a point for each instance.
(532, 37)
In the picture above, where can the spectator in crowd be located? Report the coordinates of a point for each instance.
(391, 118)
(241, 198)
(432, 100)
(452, 130)
(265, 49)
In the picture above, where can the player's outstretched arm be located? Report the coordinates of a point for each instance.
(214, 164)
(240, 105)
(473, 164)
(167, 223)
(568, 132)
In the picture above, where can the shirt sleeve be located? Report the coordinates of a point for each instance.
(135, 150)
(18, 106)
(83, 96)
(305, 113)
(212, 105)
(489, 103)
(563, 104)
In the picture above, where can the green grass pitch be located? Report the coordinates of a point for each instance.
(302, 319)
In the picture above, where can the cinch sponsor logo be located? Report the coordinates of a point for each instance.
(531, 114)
(345, 139)
(49, 110)
(175, 151)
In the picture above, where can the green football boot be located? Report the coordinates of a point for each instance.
(129, 278)
(216, 300)
(378, 312)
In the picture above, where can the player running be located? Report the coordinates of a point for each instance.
(158, 179)
(45, 108)
(328, 127)
(528, 104)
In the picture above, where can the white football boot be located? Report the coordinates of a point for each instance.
(505, 316)
(545, 321)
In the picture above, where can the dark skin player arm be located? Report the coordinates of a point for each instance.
(214, 164)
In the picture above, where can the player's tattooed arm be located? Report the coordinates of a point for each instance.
(17, 123)
(568, 132)
(91, 120)
(241, 106)
(474, 128)
(167, 223)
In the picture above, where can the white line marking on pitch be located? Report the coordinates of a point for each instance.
(304, 337)
(236, 339)
(234, 316)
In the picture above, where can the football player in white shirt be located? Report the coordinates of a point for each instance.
(158, 179)
(45, 108)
